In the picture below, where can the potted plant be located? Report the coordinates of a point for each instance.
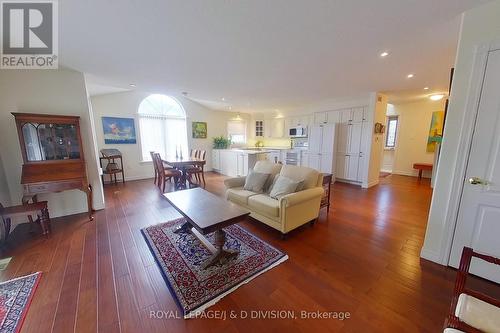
(221, 142)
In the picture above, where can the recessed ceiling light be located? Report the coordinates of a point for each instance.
(132, 85)
(426, 88)
(410, 76)
(223, 99)
(436, 97)
(384, 54)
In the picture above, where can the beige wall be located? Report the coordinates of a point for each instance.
(60, 92)
(479, 25)
(126, 104)
(412, 134)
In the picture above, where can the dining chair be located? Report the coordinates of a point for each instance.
(197, 171)
(152, 153)
(166, 174)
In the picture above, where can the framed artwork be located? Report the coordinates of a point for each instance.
(435, 131)
(199, 130)
(118, 130)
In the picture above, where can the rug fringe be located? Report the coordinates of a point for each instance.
(192, 313)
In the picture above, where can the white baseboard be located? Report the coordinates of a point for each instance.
(373, 183)
(408, 173)
(430, 255)
(386, 170)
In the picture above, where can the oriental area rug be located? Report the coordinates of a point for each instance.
(15, 299)
(180, 258)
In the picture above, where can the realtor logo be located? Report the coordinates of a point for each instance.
(29, 35)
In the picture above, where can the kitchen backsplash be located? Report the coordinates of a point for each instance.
(270, 142)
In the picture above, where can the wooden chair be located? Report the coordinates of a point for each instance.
(152, 153)
(37, 208)
(165, 174)
(194, 152)
(197, 170)
(484, 312)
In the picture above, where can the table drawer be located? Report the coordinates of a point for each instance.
(53, 186)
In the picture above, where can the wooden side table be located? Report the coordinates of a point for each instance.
(327, 184)
(112, 167)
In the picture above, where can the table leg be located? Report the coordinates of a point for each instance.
(185, 227)
(45, 221)
(88, 191)
(221, 255)
(420, 174)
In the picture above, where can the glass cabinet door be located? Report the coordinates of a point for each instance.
(45, 142)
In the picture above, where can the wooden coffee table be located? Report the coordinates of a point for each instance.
(206, 213)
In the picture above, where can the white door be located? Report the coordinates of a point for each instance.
(355, 131)
(315, 138)
(326, 162)
(314, 161)
(341, 166)
(352, 167)
(478, 223)
(328, 139)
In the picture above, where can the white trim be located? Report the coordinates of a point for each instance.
(409, 173)
(466, 135)
(192, 313)
(373, 183)
(429, 255)
(465, 140)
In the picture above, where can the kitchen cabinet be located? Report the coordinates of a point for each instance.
(351, 145)
(259, 128)
(304, 158)
(274, 128)
(237, 163)
(216, 159)
(327, 117)
(322, 147)
(274, 156)
(297, 121)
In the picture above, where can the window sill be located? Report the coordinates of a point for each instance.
(389, 148)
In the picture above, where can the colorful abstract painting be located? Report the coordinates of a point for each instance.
(199, 130)
(435, 131)
(118, 130)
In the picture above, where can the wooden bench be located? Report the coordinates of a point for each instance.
(421, 167)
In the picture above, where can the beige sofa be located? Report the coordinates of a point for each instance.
(287, 213)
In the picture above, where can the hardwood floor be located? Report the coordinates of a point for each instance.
(361, 258)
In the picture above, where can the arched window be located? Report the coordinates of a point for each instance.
(162, 122)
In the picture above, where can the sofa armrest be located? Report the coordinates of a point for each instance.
(301, 196)
(234, 182)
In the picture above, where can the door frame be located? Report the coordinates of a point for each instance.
(473, 98)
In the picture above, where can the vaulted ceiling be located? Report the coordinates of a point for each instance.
(262, 54)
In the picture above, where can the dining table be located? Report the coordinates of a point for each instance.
(182, 164)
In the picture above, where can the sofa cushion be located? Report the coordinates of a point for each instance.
(270, 168)
(264, 204)
(255, 181)
(283, 186)
(239, 195)
(309, 176)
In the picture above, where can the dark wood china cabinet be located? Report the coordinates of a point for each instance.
(52, 152)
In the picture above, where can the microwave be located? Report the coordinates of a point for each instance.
(297, 132)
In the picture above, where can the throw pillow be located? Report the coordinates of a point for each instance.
(255, 181)
(283, 186)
